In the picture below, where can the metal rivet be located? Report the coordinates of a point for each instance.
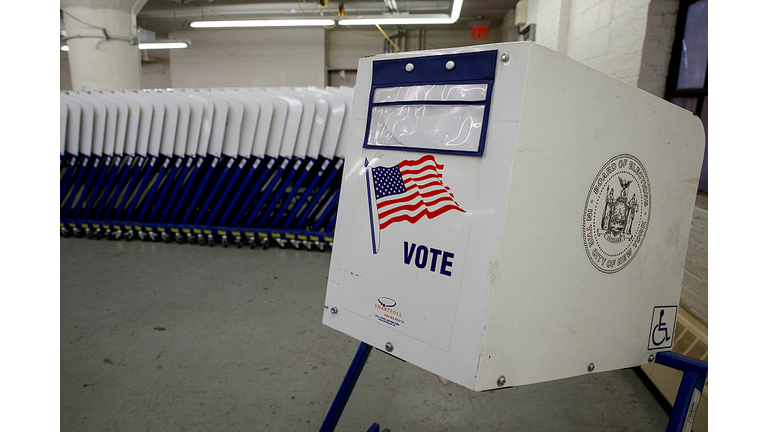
(651, 358)
(409, 67)
(325, 306)
(501, 381)
(505, 58)
(591, 367)
(389, 347)
(450, 65)
(334, 310)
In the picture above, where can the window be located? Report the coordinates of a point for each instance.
(687, 79)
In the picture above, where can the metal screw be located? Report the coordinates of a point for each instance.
(326, 306)
(501, 381)
(450, 65)
(505, 58)
(591, 367)
(389, 347)
(334, 310)
(651, 358)
(409, 67)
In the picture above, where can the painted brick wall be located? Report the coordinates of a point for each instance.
(628, 39)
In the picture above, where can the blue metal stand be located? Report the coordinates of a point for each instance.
(683, 412)
(689, 393)
(340, 401)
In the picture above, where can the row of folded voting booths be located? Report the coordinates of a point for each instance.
(254, 166)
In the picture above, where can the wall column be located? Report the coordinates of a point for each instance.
(98, 61)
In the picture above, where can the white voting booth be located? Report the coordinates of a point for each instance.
(510, 216)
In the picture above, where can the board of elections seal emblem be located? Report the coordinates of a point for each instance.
(616, 213)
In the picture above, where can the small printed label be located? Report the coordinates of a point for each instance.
(229, 164)
(196, 231)
(206, 231)
(325, 165)
(185, 230)
(313, 238)
(105, 226)
(175, 230)
(84, 225)
(690, 416)
(71, 224)
(249, 234)
(297, 164)
(328, 239)
(290, 236)
(302, 237)
(161, 229)
(117, 227)
(178, 163)
(275, 235)
(242, 163)
(662, 327)
(165, 164)
(199, 162)
(128, 227)
(271, 162)
(148, 228)
(237, 233)
(309, 166)
(284, 164)
(222, 232)
(263, 235)
(138, 228)
(339, 164)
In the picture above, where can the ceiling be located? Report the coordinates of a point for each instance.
(163, 16)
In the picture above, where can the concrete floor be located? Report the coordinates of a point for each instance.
(162, 337)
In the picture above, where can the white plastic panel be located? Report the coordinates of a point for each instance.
(319, 123)
(63, 114)
(277, 126)
(341, 148)
(218, 123)
(307, 121)
(182, 124)
(110, 130)
(432, 92)
(292, 122)
(427, 127)
(206, 123)
(165, 126)
(85, 141)
(121, 130)
(235, 108)
(133, 129)
(73, 125)
(266, 110)
(250, 120)
(334, 122)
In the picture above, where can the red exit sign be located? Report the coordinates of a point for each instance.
(479, 32)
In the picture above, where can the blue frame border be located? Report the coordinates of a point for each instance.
(431, 70)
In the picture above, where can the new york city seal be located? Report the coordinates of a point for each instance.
(616, 213)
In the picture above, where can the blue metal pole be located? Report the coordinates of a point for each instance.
(689, 393)
(340, 401)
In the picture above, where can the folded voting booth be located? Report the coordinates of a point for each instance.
(510, 216)
(255, 166)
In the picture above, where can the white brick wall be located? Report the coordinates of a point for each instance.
(629, 39)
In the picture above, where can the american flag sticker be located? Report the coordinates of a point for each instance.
(406, 192)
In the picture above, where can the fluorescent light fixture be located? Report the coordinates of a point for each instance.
(412, 19)
(263, 23)
(157, 45)
(152, 45)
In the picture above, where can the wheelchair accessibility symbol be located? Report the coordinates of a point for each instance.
(662, 327)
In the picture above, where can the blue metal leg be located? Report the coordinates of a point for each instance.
(689, 393)
(340, 401)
